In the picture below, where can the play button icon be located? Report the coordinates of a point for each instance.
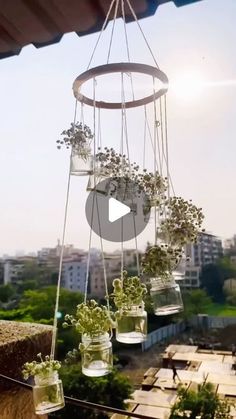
(117, 210)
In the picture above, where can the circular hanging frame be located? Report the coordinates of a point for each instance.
(120, 68)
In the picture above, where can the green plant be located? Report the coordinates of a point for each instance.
(91, 319)
(42, 368)
(78, 136)
(161, 260)
(110, 390)
(203, 403)
(182, 222)
(128, 291)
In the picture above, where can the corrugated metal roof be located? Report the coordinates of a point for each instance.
(44, 22)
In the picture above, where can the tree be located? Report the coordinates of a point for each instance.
(212, 280)
(203, 403)
(6, 293)
(214, 275)
(195, 302)
(40, 304)
(110, 390)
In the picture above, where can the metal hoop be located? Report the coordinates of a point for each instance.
(120, 68)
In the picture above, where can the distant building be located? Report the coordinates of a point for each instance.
(207, 250)
(74, 274)
(13, 269)
(75, 267)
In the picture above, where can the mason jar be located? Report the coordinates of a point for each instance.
(81, 162)
(48, 393)
(96, 355)
(132, 325)
(166, 296)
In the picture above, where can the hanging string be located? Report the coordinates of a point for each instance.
(112, 31)
(54, 331)
(144, 136)
(162, 133)
(167, 152)
(103, 256)
(127, 46)
(99, 135)
(122, 153)
(152, 144)
(100, 33)
(94, 192)
(156, 146)
(82, 114)
(128, 155)
(140, 28)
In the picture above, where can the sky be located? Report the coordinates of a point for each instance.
(196, 44)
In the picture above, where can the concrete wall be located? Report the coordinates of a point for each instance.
(19, 343)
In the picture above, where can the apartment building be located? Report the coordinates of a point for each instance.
(74, 274)
(207, 250)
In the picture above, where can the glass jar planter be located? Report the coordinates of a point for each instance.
(48, 393)
(166, 296)
(96, 355)
(132, 325)
(81, 162)
(99, 182)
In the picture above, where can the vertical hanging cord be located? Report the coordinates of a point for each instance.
(122, 153)
(144, 37)
(99, 136)
(128, 154)
(167, 150)
(150, 137)
(54, 331)
(162, 134)
(94, 193)
(100, 34)
(144, 136)
(155, 162)
(112, 31)
(127, 46)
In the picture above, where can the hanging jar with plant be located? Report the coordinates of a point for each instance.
(154, 186)
(112, 174)
(94, 323)
(131, 318)
(158, 263)
(78, 138)
(47, 390)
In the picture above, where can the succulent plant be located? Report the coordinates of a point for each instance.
(91, 319)
(78, 136)
(161, 260)
(182, 222)
(42, 368)
(128, 291)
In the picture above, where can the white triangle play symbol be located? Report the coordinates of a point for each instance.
(117, 210)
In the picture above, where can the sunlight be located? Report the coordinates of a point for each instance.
(188, 86)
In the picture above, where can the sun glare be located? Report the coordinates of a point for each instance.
(188, 87)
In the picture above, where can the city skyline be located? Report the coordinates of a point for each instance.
(37, 104)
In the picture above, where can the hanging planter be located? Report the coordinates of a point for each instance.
(166, 296)
(161, 259)
(93, 322)
(131, 318)
(182, 222)
(154, 186)
(116, 170)
(78, 137)
(158, 262)
(47, 391)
